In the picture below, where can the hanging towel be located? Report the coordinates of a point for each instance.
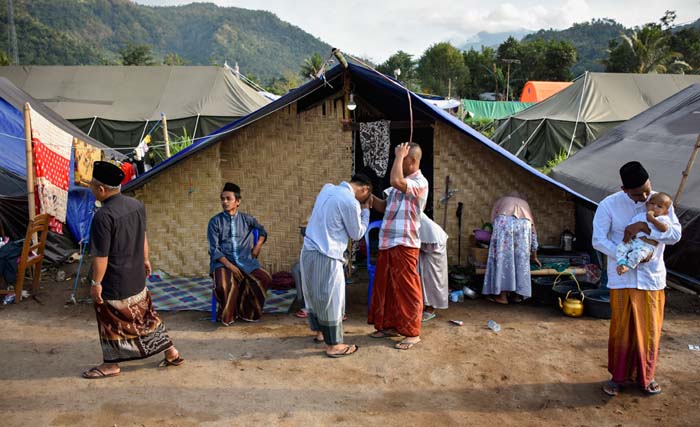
(374, 138)
(85, 156)
(52, 149)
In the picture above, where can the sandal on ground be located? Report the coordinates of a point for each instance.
(493, 299)
(175, 362)
(611, 388)
(349, 351)
(302, 314)
(428, 316)
(405, 345)
(96, 374)
(383, 334)
(653, 388)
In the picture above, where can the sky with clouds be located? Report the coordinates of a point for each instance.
(375, 29)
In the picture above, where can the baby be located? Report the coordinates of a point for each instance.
(639, 249)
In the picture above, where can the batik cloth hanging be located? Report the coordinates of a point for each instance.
(51, 152)
(375, 142)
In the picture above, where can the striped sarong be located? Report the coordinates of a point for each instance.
(635, 333)
(323, 281)
(240, 300)
(130, 329)
(397, 297)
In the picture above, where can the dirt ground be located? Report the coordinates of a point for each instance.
(542, 369)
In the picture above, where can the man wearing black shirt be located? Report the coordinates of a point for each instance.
(128, 324)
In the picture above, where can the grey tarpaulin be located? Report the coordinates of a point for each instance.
(591, 106)
(662, 139)
(121, 99)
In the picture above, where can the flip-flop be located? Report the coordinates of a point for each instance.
(428, 316)
(405, 345)
(302, 314)
(492, 299)
(345, 352)
(318, 341)
(175, 362)
(652, 389)
(382, 334)
(99, 375)
(611, 388)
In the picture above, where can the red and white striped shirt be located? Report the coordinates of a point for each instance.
(402, 215)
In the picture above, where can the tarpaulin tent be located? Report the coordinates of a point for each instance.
(576, 116)
(662, 139)
(535, 91)
(118, 104)
(13, 168)
(475, 109)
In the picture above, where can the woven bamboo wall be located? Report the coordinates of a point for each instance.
(280, 162)
(179, 203)
(482, 176)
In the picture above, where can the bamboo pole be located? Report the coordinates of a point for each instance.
(165, 134)
(30, 166)
(687, 170)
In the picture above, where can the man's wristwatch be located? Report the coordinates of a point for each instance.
(95, 283)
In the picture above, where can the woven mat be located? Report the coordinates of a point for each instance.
(194, 293)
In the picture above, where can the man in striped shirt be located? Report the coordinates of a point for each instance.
(397, 299)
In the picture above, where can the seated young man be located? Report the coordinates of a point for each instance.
(240, 283)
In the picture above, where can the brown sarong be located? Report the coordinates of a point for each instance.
(240, 300)
(130, 329)
(397, 297)
(635, 333)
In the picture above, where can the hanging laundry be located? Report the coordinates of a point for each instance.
(129, 172)
(52, 148)
(85, 156)
(375, 142)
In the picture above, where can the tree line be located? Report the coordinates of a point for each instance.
(445, 70)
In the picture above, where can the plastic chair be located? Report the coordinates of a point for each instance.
(213, 290)
(32, 255)
(371, 268)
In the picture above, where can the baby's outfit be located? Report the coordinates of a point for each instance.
(637, 250)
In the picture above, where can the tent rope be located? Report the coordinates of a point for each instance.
(578, 114)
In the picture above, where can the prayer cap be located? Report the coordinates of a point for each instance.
(633, 175)
(107, 173)
(233, 188)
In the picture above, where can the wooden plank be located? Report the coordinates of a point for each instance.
(546, 271)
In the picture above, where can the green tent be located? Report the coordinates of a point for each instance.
(117, 105)
(496, 110)
(579, 114)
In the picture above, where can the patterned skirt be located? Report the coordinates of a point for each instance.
(240, 299)
(130, 328)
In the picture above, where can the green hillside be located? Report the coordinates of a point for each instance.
(81, 32)
(590, 40)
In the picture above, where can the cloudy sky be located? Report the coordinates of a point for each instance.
(377, 28)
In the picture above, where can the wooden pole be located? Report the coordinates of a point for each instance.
(687, 170)
(165, 134)
(30, 164)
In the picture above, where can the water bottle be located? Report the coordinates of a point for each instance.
(495, 327)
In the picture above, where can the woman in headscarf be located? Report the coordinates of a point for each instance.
(513, 246)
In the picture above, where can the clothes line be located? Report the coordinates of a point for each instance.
(402, 124)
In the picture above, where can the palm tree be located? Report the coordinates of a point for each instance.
(650, 47)
(311, 66)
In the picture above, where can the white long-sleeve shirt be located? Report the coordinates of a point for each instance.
(611, 218)
(336, 217)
